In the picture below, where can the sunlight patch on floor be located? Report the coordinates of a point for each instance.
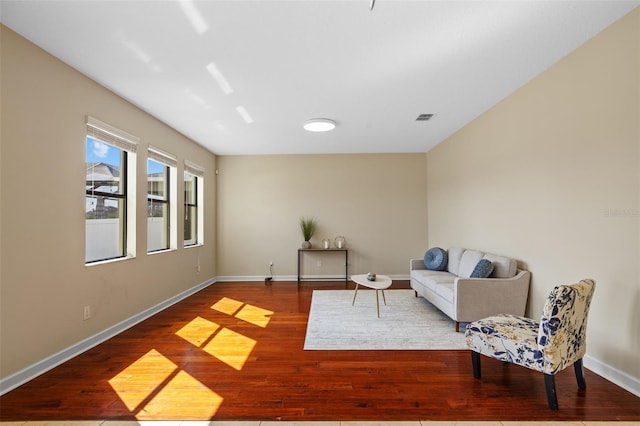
(135, 383)
(227, 306)
(154, 386)
(246, 312)
(255, 315)
(198, 331)
(231, 348)
(182, 391)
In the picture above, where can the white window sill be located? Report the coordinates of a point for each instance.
(104, 262)
(151, 253)
(194, 245)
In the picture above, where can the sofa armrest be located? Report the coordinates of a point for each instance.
(415, 264)
(476, 298)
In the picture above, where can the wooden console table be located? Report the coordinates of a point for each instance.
(316, 250)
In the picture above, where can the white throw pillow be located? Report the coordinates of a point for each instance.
(453, 264)
(468, 262)
(503, 267)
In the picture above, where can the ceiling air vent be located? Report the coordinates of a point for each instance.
(424, 117)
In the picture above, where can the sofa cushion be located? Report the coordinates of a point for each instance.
(453, 264)
(483, 269)
(445, 290)
(440, 283)
(435, 259)
(503, 267)
(468, 262)
(430, 278)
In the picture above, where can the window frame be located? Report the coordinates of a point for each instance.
(197, 172)
(187, 207)
(166, 200)
(168, 160)
(127, 144)
(121, 196)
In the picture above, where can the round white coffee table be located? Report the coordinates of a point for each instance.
(381, 283)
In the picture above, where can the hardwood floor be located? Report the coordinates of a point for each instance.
(243, 360)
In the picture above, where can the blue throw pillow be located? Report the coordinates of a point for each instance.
(435, 259)
(483, 269)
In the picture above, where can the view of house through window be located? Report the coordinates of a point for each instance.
(110, 227)
(106, 201)
(158, 224)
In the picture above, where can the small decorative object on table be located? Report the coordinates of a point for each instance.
(371, 276)
(339, 242)
(326, 243)
(308, 227)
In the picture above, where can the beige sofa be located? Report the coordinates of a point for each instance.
(466, 299)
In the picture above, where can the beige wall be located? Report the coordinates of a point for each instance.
(44, 281)
(377, 202)
(551, 176)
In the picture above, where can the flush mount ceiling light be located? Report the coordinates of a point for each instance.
(319, 125)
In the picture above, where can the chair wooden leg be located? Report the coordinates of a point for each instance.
(550, 385)
(577, 366)
(475, 363)
(457, 326)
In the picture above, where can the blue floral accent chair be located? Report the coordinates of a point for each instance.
(557, 341)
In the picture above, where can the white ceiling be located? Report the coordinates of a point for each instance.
(372, 71)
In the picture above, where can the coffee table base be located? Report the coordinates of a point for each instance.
(381, 283)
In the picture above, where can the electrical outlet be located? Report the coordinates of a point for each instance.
(87, 312)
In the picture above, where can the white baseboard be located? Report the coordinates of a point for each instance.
(13, 381)
(251, 278)
(620, 378)
(276, 278)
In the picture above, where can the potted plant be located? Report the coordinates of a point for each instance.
(308, 227)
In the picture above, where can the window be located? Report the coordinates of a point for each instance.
(157, 206)
(110, 193)
(161, 194)
(193, 214)
(190, 209)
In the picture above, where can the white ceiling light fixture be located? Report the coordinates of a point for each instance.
(319, 125)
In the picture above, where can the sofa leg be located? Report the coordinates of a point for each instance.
(457, 326)
(577, 366)
(550, 385)
(475, 363)
(415, 293)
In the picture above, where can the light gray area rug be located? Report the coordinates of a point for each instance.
(406, 322)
